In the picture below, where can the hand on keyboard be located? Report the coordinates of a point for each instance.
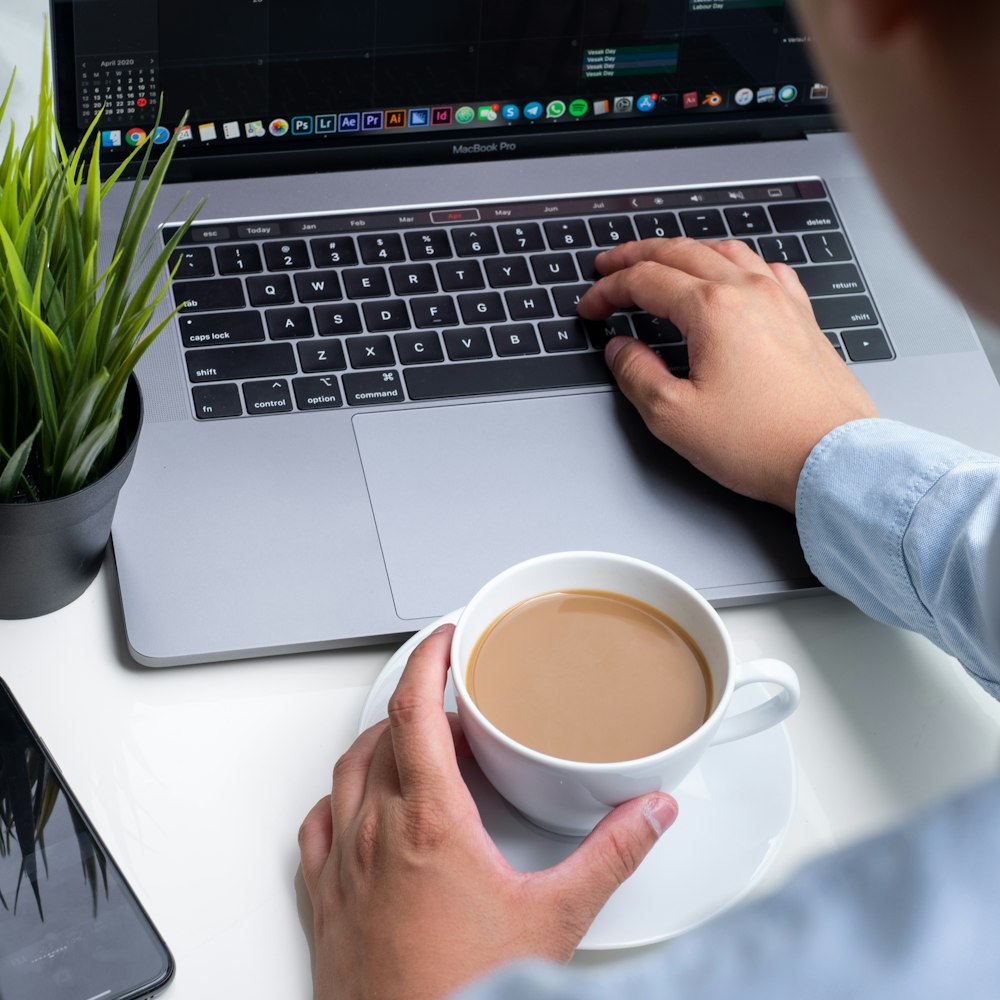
(765, 383)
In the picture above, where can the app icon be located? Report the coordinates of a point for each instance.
(487, 112)
(766, 95)
(134, 136)
(440, 116)
(231, 130)
(646, 102)
(111, 137)
(161, 135)
(278, 126)
(184, 133)
(533, 110)
(464, 114)
(623, 105)
(254, 129)
(743, 97)
(350, 121)
(371, 121)
(788, 93)
(395, 118)
(819, 92)
(302, 125)
(690, 100)
(602, 107)
(712, 100)
(510, 112)
(418, 117)
(555, 109)
(326, 123)
(579, 107)
(207, 132)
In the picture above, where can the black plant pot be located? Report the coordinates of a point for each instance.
(50, 551)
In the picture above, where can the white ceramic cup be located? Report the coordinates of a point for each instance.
(570, 797)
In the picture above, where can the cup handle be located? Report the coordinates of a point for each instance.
(776, 709)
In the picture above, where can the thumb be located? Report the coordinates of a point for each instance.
(645, 380)
(611, 853)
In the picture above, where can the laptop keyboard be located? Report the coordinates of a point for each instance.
(368, 309)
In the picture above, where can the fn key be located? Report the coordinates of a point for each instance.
(219, 400)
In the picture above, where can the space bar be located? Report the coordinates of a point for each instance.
(478, 378)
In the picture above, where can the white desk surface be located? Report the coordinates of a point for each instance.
(198, 777)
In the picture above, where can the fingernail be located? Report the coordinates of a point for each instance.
(613, 346)
(660, 813)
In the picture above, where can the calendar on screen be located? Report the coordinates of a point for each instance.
(125, 87)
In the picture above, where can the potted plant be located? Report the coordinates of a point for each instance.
(72, 328)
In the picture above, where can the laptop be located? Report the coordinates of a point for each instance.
(377, 392)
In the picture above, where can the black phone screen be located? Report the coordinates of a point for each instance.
(70, 926)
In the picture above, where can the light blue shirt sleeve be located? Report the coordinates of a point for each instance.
(906, 525)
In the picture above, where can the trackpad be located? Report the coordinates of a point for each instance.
(460, 492)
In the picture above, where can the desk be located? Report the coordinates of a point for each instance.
(197, 777)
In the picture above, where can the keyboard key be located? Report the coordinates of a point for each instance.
(553, 267)
(373, 388)
(334, 321)
(482, 307)
(317, 286)
(612, 230)
(413, 279)
(565, 234)
(656, 330)
(334, 251)
(833, 338)
(432, 244)
(213, 401)
(287, 324)
(585, 261)
(524, 237)
(851, 310)
(503, 272)
(212, 329)
(553, 371)
(601, 331)
(675, 357)
(781, 249)
(866, 345)
(365, 283)
(273, 290)
(467, 344)
(434, 310)
(418, 348)
(370, 352)
(703, 223)
(563, 335)
(194, 262)
(531, 304)
(810, 215)
(752, 219)
(267, 397)
(238, 259)
(322, 356)
(286, 255)
(476, 241)
(514, 339)
(223, 363)
(831, 279)
(320, 392)
(382, 249)
(567, 298)
(657, 224)
(827, 247)
(390, 314)
(217, 293)
(457, 276)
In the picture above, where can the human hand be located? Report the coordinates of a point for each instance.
(411, 899)
(765, 384)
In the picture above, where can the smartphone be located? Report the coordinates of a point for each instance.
(70, 926)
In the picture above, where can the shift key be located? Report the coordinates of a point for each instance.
(212, 365)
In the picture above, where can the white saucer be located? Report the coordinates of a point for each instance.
(735, 809)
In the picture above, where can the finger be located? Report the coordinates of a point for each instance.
(421, 733)
(646, 381)
(698, 258)
(610, 854)
(315, 842)
(789, 280)
(741, 255)
(350, 775)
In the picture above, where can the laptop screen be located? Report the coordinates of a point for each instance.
(325, 84)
